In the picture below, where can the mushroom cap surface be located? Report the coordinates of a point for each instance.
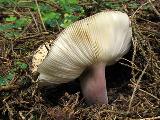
(102, 38)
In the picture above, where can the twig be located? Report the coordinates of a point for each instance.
(149, 21)
(135, 68)
(135, 88)
(35, 35)
(133, 15)
(76, 101)
(11, 11)
(149, 1)
(149, 94)
(21, 115)
(145, 91)
(3, 58)
(155, 10)
(34, 19)
(9, 110)
(39, 12)
(134, 54)
(8, 87)
(152, 118)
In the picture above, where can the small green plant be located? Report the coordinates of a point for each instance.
(69, 10)
(133, 5)
(13, 26)
(118, 4)
(8, 2)
(18, 66)
(5, 79)
(67, 13)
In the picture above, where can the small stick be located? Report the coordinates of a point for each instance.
(152, 118)
(34, 19)
(136, 87)
(145, 91)
(155, 10)
(9, 110)
(8, 87)
(39, 12)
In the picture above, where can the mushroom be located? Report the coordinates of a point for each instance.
(87, 45)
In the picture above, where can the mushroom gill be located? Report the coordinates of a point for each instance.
(90, 43)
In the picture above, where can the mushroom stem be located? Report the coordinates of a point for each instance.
(93, 85)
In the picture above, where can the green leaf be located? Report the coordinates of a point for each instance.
(26, 4)
(122, 1)
(10, 76)
(21, 65)
(133, 5)
(45, 8)
(8, 2)
(67, 2)
(73, 1)
(7, 78)
(2, 81)
(51, 18)
(11, 19)
(22, 22)
(68, 19)
(78, 9)
(112, 5)
(6, 27)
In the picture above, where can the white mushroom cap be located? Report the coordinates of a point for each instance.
(102, 38)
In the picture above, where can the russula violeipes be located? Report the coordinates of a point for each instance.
(90, 43)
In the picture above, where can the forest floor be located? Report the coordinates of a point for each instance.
(133, 83)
